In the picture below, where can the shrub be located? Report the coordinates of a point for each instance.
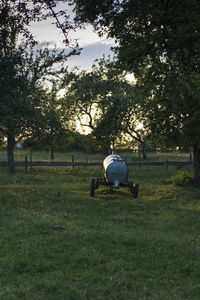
(182, 178)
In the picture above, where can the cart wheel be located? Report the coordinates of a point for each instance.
(135, 190)
(92, 187)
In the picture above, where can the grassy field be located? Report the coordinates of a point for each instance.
(58, 243)
(80, 156)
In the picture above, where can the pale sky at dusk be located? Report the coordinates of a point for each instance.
(93, 46)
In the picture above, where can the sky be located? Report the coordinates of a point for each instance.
(93, 46)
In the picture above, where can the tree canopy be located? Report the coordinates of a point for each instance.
(22, 13)
(147, 31)
(100, 99)
(159, 41)
(23, 70)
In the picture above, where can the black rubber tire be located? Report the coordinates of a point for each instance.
(135, 190)
(92, 187)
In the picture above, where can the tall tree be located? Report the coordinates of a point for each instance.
(98, 98)
(22, 75)
(54, 122)
(21, 95)
(22, 71)
(160, 42)
(132, 122)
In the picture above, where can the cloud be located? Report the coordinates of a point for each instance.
(88, 54)
(45, 44)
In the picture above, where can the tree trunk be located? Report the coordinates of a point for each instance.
(52, 153)
(143, 150)
(10, 152)
(107, 147)
(196, 155)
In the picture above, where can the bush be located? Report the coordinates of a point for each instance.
(2, 143)
(182, 178)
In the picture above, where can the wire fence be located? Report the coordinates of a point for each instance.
(131, 156)
(29, 158)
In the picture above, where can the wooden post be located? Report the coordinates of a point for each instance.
(30, 159)
(190, 156)
(113, 151)
(26, 165)
(139, 152)
(109, 152)
(73, 161)
(167, 163)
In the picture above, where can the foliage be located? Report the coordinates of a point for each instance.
(148, 32)
(23, 72)
(2, 143)
(159, 41)
(64, 141)
(27, 11)
(22, 77)
(21, 88)
(75, 141)
(53, 126)
(182, 178)
(103, 101)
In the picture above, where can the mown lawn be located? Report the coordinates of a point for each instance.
(59, 243)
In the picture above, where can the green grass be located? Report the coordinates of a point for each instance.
(81, 156)
(113, 246)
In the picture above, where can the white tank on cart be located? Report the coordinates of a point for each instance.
(115, 170)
